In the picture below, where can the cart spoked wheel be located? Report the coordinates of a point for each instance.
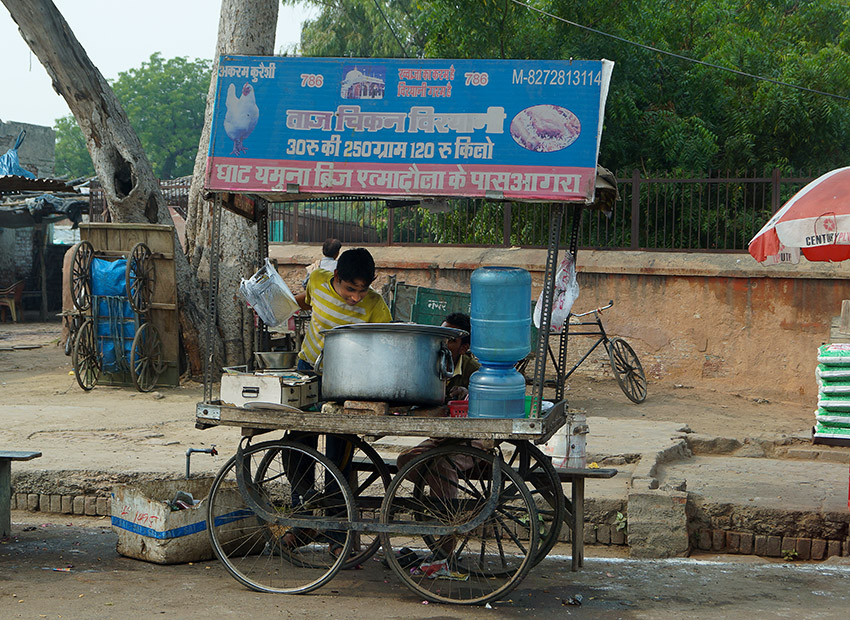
(546, 490)
(368, 485)
(627, 369)
(450, 487)
(81, 275)
(146, 358)
(85, 357)
(140, 278)
(291, 481)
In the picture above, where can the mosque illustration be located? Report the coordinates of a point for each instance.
(363, 83)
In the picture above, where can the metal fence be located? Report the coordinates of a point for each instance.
(713, 213)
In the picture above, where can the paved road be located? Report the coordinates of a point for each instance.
(103, 585)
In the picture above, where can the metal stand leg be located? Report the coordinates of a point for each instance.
(578, 523)
(556, 216)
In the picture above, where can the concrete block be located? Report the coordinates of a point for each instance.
(704, 540)
(789, 543)
(804, 548)
(55, 503)
(90, 505)
(79, 504)
(102, 506)
(833, 548)
(589, 534)
(13, 501)
(747, 543)
(618, 537)
(718, 540)
(774, 546)
(67, 504)
(658, 524)
(733, 542)
(761, 545)
(603, 534)
(44, 502)
(21, 501)
(32, 502)
(818, 549)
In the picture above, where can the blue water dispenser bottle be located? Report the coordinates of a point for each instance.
(500, 317)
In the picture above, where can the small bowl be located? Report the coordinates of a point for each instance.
(275, 359)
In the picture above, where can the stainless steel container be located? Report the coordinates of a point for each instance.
(276, 359)
(400, 363)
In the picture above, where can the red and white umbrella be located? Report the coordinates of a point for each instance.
(816, 222)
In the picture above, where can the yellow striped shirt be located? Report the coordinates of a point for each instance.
(330, 310)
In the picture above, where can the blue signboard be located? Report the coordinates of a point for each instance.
(512, 129)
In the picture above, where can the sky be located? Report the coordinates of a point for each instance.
(116, 40)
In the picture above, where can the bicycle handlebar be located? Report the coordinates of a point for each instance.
(610, 303)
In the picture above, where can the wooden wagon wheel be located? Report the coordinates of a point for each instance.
(146, 358)
(81, 275)
(85, 357)
(140, 278)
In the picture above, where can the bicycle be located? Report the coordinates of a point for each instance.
(624, 361)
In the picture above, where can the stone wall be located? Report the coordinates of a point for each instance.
(715, 320)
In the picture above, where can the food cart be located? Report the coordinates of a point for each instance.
(463, 522)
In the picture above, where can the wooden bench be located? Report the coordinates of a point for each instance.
(574, 517)
(6, 458)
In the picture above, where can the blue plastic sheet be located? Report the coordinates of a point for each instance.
(10, 164)
(116, 327)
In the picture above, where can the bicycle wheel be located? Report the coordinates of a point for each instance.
(627, 369)
(368, 486)
(246, 531)
(81, 275)
(546, 490)
(85, 356)
(139, 277)
(146, 358)
(476, 551)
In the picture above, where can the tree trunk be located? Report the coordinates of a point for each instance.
(129, 184)
(245, 27)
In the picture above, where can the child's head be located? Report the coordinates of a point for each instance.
(355, 271)
(331, 247)
(458, 346)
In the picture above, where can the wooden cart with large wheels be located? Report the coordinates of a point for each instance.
(472, 522)
(137, 319)
(106, 322)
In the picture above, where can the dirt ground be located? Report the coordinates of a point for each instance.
(43, 375)
(118, 430)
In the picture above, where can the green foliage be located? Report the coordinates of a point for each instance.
(663, 114)
(620, 523)
(165, 101)
(357, 28)
(72, 157)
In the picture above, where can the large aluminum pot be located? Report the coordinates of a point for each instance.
(400, 363)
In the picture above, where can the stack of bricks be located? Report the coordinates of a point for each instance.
(724, 541)
(90, 505)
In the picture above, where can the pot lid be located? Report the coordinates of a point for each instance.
(399, 328)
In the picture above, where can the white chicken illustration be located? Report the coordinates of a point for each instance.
(241, 117)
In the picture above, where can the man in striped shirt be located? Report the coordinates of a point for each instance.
(338, 298)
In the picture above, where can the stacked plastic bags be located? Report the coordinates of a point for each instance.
(833, 377)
